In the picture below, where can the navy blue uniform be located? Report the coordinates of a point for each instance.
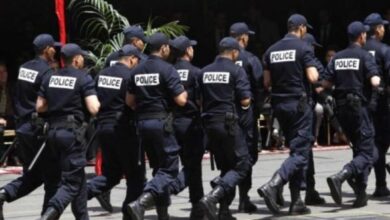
(116, 121)
(189, 135)
(65, 92)
(29, 80)
(381, 117)
(350, 71)
(155, 83)
(287, 60)
(223, 84)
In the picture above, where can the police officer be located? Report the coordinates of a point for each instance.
(350, 71)
(187, 126)
(62, 96)
(312, 197)
(290, 68)
(153, 90)
(116, 121)
(252, 66)
(223, 84)
(29, 126)
(134, 35)
(381, 117)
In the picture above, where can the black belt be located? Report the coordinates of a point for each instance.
(152, 115)
(64, 122)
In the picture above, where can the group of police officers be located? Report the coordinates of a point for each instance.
(144, 104)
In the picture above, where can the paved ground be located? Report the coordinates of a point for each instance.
(327, 163)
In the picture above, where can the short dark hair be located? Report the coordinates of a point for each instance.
(372, 30)
(129, 40)
(153, 48)
(38, 51)
(67, 60)
(225, 50)
(292, 28)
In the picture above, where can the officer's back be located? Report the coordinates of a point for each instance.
(223, 82)
(31, 75)
(288, 59)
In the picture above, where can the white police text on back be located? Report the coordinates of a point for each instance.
(347, 64)
(183, 74)
(216, 77)
(110, 82)
(27, 75)
(149, 79)
(283, 56)
(62, 82)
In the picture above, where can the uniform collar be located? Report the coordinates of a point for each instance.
(42, 60)
(222, 59)
(291, 36)
(155, 57)
(373, 38)
(354, 45)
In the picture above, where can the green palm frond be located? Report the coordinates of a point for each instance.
(97, 18)
(101, 28)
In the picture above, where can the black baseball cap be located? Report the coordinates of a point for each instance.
(229, 43)
(375, 19)
(240, 28)
(134, 31)
(310, 39)
(44, 40)
(296, 20)
(71, 50)
(356, 28)
(158, 39)
(181, 43)
(129, 50)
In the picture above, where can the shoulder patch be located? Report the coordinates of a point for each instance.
(28, 75)
(110, 82)
(239, 63)
(147, 79)
(283, 56)
(347, 64)
(216, 77)
(62, 82)
(183, 73)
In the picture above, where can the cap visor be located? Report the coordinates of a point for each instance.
(385, 22)
(317, 44)
(193, 42)
(84, 53)
(57, 44)
(366, 28)
(251, 32)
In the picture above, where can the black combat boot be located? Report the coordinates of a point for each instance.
(361, 199)
(245, 204)
(162, 213)
(224, 212)
(136, 209)
(104, 201)
(335, 182)
(50, 214)
(3, 198)
(280, 199)
(313, 197)
(297, 206)
(352, 183)
(271, 192)
(209, 202)
(197, 212)
(381, 191)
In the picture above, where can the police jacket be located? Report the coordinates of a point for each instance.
(287, 60)
(254, 69)
(29, 80)
(111, 87)
(222, 85)
(350, 70)
(154, 83)
(189, 75)
(378, 50)
(65, 91)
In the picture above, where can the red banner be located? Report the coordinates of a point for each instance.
(60, 11)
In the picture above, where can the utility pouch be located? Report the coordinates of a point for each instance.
(168, 124)
(354, 102)
(230, 123)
